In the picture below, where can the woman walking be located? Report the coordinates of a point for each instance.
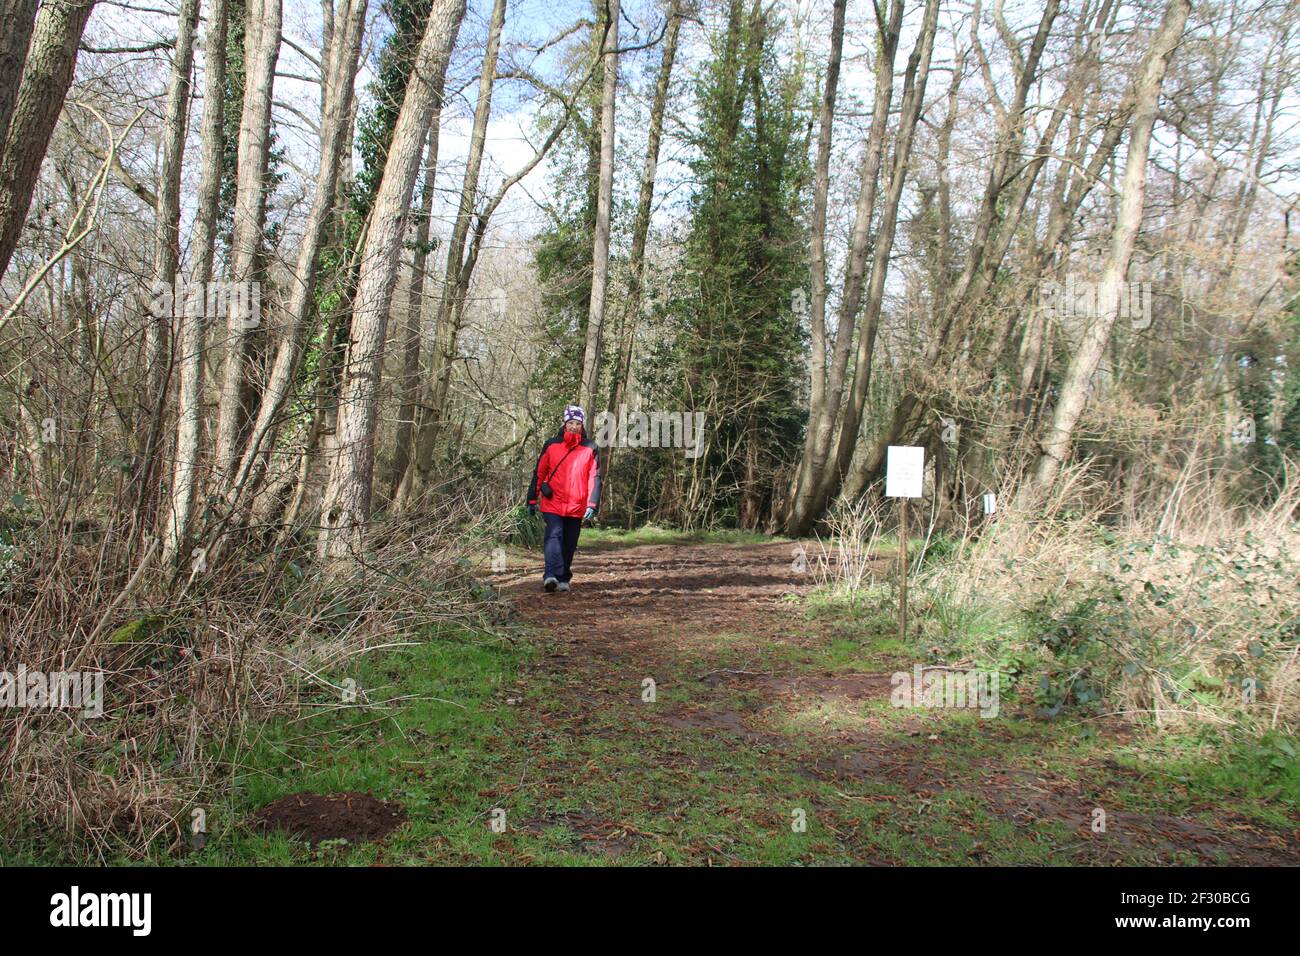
(566, 487)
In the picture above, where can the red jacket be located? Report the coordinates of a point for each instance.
(576, 478)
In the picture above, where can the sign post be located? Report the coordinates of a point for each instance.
(902, 570)
(904, 477)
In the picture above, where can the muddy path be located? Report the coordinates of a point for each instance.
(757, 706)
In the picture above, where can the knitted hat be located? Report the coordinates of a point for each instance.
(574, 413)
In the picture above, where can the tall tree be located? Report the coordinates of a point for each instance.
(339, 78)
(825, 479)
(604, 200)
(159, 333)
(641, 226)
(826, 385)
(192, 333)
(456, 278)
(1083, 364)
(734, 355)
(434, 395)
(262, 23)
(47, 74)
(995, 222)
(346, 508)
(918, 70)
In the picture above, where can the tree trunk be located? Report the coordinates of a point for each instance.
(456, 276)
(911, 105)
(339, 78)
(641, 226)
(47, 74)
(261, 49)
(600, 254)
(346, 508)
(802, 476)
(827, 478)
(983, 437)
(1083, 364)
(190, 344)
(166, 262)
(19, 17)
(825, 409)
(997, 218)
(411, 385)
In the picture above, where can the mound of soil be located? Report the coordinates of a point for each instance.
(317, 817)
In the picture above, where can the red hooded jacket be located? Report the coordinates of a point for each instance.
(570, 464)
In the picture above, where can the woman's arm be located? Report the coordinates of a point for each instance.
(537, 470)
(593, 480)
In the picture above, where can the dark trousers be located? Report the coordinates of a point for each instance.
(561, 541)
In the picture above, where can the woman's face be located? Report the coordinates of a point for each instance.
(573, 425)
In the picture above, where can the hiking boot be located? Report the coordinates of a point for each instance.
(563, 586)
(550, 584)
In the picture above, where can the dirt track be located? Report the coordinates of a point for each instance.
(735, 659)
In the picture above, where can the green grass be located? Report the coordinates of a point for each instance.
(431, 753)
(588, 773)
(1184, 770)
(1260, 780)
(631, 790)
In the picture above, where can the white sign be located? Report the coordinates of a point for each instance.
(990, 503)
(904, 471)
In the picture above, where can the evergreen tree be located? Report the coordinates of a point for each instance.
(739, 344)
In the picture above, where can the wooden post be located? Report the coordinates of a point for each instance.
(904, 478)
(902, 553)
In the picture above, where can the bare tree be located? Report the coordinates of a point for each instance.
(346, 508)
(190, 340)
(166, 262)
(826, 473)
(431, 405)
(339, 82)
(604, 195)
(456, 279)
(826, 389)
(644, 208)
(995, 221)
(1083, 364)
(261, 50)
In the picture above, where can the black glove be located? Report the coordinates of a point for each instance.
(532, 509)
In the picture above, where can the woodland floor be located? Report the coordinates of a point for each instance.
(764, 713)
(756, 717)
